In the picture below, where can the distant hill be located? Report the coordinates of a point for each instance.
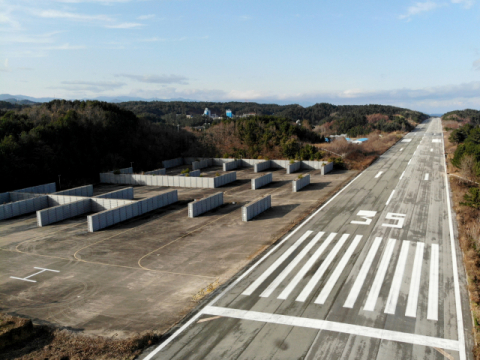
(468, 115)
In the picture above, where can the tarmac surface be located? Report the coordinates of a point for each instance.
(376, 273)
(142, 274)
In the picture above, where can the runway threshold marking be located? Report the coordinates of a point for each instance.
(381, 334)
(397, 279)
(412, 302)
(426, 176)
(432, 312)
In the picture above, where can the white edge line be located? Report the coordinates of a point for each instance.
(461, 335)
(327, 325)
(401, 177)
(248, 271)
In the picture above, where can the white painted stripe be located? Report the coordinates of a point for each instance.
(401, 149)
(390, 198)
(426, 176)
(458, 304)
(401, 177)
(378, 175)
(397, 279)
(286, 292)
(327, 289)
(268, 291)
(362, 275)
(276, 264)
(415, 282)
(432, 313)
(24, 279)
(326, 325)
(431, 149)
(418, 146)
(321, 270)
(39, 268)
(382, 270)
(409, 161)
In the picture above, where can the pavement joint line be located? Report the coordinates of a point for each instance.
(326, 325)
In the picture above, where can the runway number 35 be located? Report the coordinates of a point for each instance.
(368, 216)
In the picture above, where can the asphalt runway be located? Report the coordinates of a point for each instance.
(375, 273)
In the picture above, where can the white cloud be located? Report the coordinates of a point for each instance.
(90, 86)
(476, 64)
(56, 14)
(156, 79)
(124, 26)
(65, 46)
(467, 4)
(146, 17)
(418, 8)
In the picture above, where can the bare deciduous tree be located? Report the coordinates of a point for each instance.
(467, 168)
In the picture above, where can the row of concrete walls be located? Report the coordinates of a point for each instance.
(261, 166)
(201, 206)
(262, 181)
(157, 172)
(16, 196)
(118, 194)
(114, 216)
(312, 165)
(107, 204)
(224, 179)
(196, 165)
(40, 189)
(195, 173)
(78, 191)
(327, 168)
(23, 207)
(231, 165)
(167, 164)
(291, 168)
(62, 212)
(5, 198)
(300, 183)
(256, 207)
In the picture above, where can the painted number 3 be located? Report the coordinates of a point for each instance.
(369, 215)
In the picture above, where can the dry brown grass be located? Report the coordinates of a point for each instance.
(45, 342)
(360, 156)
(468, 220)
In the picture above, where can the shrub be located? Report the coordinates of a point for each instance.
(472, 198)
(300, 176)
(185, 171)
(217, 174)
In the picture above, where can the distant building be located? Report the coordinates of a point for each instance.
(359, 141)
(248, 115)
(206, 112)
(229, 114)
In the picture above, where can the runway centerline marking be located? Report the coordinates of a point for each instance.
(426, 176)
(327, 325)
(378, 175)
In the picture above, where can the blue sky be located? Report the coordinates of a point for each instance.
(420, 55)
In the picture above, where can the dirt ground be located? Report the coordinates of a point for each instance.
(147, 273)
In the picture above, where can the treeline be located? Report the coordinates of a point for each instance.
(175, 112)
(79, 139)
(263, 137)
(467, 115)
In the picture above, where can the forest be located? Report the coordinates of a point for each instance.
(468, 115)
(352, 119)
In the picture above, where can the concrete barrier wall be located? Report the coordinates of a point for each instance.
(256, 207)
(15, 196)
(55, 200)
(78, 191)
(195, 173)
(300, 183)
(118, 194)
(262, 166)
(280, 164)
(312, 165)
(62, 212)
(40, 189)
(4, 198)
(231, 165)
(23, 207)
(224, 179)
(327, 168)
(291, 168)
(107, 204)
(114, 216)
(201, 206)
(166, 180)
(196, 165)
(167, 164)
(262, 181)
(157, 172)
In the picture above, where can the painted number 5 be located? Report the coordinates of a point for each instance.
(400, 218)
(364, 214)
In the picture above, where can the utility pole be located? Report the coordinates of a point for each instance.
(59, 184)
(131, 165)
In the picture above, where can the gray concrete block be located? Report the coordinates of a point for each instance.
(300, 183)
(40, 189)
(262, 166)
(196, 208)
(62, 212)
(256, 207)
(262, 181)
(78, 191)
(118, 194)
(172, 163)
(157, 172)
(291, 168)
(23, 207)
(327, 168)
(228, 166)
